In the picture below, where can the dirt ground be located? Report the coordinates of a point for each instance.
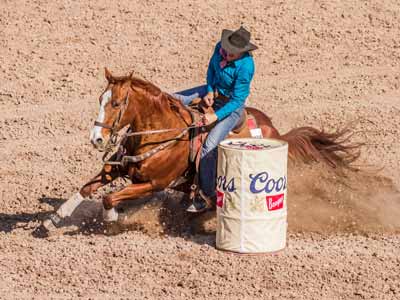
(320, 63)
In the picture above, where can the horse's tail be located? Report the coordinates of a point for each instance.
(310, 144)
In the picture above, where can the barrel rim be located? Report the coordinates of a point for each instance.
(283, 145)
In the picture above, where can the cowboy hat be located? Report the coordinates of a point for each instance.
(236, 42)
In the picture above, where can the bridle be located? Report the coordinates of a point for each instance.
(113, 141)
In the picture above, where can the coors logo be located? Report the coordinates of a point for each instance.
(220, 199)
(275, 202)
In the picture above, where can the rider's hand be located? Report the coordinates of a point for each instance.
(209, 99)
(209, 118)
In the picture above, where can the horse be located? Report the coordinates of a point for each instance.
(159, 141)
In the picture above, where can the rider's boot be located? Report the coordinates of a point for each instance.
(201, 203)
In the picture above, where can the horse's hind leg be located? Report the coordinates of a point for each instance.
(130, 192)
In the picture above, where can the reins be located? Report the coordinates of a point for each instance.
(161, 130)
(113, 141)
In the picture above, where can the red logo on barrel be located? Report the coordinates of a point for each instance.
(275, 202)
(220, 198)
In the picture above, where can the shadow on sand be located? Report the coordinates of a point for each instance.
(159, 215)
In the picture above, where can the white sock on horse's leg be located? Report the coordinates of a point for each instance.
(65, 210)
(110, 215)
(70, 205)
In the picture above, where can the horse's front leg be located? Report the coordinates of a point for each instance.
(132, 191)
(107, 174)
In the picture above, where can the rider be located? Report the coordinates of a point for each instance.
(229, 75)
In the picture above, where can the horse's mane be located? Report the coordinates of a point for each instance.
(153, 93)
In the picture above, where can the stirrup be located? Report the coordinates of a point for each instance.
(201, 203)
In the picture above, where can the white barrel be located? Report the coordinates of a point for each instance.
(252, 195)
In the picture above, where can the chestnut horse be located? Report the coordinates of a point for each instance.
(144, 107)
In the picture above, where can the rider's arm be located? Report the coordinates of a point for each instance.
(211, 71)
(241, 90)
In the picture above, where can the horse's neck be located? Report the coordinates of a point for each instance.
(155, 116)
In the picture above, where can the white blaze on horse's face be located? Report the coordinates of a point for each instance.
(96, 136)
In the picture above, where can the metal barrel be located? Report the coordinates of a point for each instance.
(252, 195)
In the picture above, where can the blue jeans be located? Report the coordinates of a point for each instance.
(187, 96)
(209, 153)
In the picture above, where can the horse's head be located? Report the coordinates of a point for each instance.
(112, 116)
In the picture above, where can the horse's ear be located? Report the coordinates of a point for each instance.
(108, 74)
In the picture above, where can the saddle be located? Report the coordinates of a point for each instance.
(198, 135)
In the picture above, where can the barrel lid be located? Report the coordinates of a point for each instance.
(252, 144)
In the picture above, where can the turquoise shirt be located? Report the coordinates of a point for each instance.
(232, 81)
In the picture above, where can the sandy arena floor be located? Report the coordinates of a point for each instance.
(320, 63)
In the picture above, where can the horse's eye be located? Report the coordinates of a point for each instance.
(114, 104)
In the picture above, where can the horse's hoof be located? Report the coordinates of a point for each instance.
(110, 215)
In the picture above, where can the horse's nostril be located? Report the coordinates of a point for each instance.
(99, 141)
